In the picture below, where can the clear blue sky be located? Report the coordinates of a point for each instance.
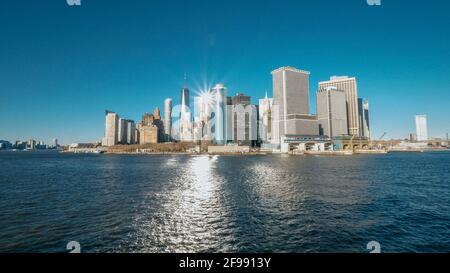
(62, 66)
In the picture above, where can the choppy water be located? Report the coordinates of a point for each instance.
(125, 203)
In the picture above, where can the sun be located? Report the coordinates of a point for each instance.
(206, 98)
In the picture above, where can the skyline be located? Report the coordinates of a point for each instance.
(130, 56)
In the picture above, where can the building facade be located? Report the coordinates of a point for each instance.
(111, 137)
(4, 144)
(204, 116)
(349, 86)
(332, 112)
(185, 121)
(130, 132)
(265, 119)
(220, 98)
(421, 128)
(31, 144)
(364, 123)
(158, 122)
(242, 124)
(168, 119)
(291, 110)
(122, 131)
(148, 131)
(184, 100)
(241, 121)
(239, 99)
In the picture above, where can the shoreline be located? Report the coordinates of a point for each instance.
(306, 153)
(338, 153)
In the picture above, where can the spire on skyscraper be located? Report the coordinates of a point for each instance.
(185, 80)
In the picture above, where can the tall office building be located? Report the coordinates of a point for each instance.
(363, 112)
(241, 120)
(220, 95)
(31, 144)
(137, 134)
(185, 121)
(157, 113)
(265, 118)
(130, 133)
(160, 124)
(168, 119)
(204, 116)
(350, 88)
(421, 128)
(242, 124)
(332, 112)
(122, 134)
(291, 104)
(184, 101)
(126, 131)
(111, 129)
(204, 106)
(197, 133)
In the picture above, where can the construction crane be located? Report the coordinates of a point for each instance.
(380, 139)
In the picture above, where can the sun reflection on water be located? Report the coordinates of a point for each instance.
(193, 216)
(202, 185)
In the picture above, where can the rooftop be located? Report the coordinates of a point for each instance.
(338, 79)
(290, 68)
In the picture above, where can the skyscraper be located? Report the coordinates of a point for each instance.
(111, 129)
(331, 112)
(291, 104)
(421, 128)
(363, 112)
(350, 88)
(185, 121)
(220, 95)
(241, 120)
(242, 124)
(168, 118)
(122, 133)
(184, 101)
(157, 113)
(265, 118)
(31, 145)
(130, 133)
(204, 122)
(159, 123)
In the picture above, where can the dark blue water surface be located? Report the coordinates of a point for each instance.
(127, 203)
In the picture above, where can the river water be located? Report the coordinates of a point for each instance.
(181, 203)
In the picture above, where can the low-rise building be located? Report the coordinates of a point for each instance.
(228, 149)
